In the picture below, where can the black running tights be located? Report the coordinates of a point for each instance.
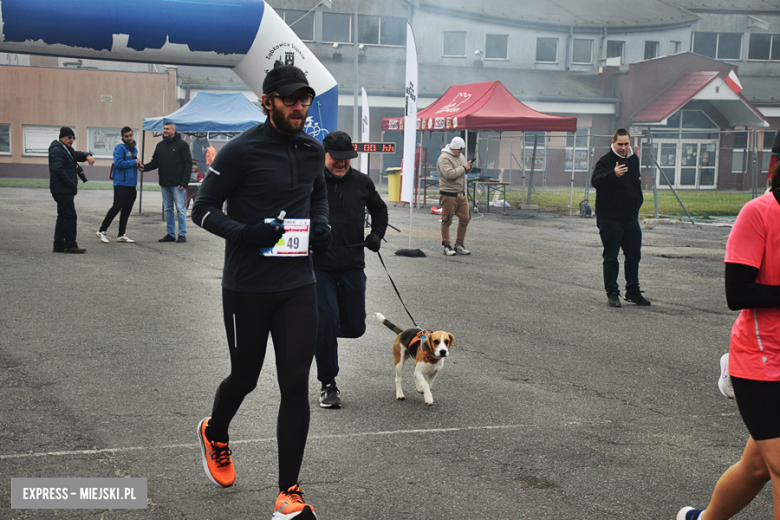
(291, 318)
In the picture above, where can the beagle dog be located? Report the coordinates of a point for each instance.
(427, 348)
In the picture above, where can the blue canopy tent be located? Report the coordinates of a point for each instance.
(206, 112)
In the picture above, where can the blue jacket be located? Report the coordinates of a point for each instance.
(62, 169)
(125, 167)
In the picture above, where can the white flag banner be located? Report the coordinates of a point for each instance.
(365, 137)
(410, 117)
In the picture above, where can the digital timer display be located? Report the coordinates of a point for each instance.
(374, 147)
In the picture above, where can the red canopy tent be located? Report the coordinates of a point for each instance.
(482, 106)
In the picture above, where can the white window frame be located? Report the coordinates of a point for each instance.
(444, 51)
(590, 62)
(10, 144)
(622, 50)
(675, 47)
(101, 141)
(383, 44)
(557, 45)
(771, 44)
(717, 44)
(506, 58)
(657, 49)
(37, 138)
(351, 29)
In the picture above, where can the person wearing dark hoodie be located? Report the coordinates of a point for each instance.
(64, 173)
(341, 279)
(616, 178)
(172, 156)
(125, 171)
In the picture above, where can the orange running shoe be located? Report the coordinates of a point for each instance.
(216, 458)
(290, 504)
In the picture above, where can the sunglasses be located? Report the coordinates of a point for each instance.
(289, 101)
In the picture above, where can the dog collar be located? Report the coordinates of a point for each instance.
(421, 337)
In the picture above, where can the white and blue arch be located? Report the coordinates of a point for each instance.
(245, 35)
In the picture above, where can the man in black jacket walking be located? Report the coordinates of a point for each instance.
(341, 281)
(63, 185)
(616, 178)
(172, 157)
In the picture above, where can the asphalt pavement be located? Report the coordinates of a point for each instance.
(552, 406)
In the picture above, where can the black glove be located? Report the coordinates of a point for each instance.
(262, 234)
(320, 237)
(373, 242)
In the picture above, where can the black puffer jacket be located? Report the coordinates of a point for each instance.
(617, 197)
(172, 156)
(348, 198)
(62, 169)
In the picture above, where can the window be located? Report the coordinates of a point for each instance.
(576, 146)
(547, 50)
(102, 141)
(36, 139)
(454, 43)
(764, 47)
(739, 152)
(651, 50)
(582, 51)
(528, 150)
(336, 27)
(368, 29)
(723, 46)
(5, 139)
(303, 26)
(675, 47)
(392, 31)
(496, 46)
(615, 50)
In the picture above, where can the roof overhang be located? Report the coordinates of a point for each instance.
(701, 86)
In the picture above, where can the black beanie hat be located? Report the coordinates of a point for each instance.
(66, 132)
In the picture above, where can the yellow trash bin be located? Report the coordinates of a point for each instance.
(393, 184)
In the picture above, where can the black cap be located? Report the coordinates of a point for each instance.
(339, 145)
(285, 80)
(66, 132)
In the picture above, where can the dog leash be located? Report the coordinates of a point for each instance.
(396, 289)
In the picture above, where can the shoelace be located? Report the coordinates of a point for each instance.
(221, 455)
(295, 495)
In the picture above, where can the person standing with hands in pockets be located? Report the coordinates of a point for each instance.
(272, 168)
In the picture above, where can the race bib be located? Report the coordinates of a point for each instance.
(294, 242)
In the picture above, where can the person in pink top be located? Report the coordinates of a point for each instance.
(753, 287)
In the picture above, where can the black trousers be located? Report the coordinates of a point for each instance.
(617, 234)
(291, 319)
(124, 198)
(65, 228)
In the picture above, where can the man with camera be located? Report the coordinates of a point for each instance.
(64, 172)
(125, 170)
(616, 178)
(453, 168)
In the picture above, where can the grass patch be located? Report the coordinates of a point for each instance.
(44, 183)
(708, 203)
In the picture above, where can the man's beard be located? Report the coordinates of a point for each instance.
(286, 126)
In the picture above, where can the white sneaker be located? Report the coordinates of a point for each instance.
(724, 383)
(126, 239)
(102, 236)
(459, 249)
(449, 251)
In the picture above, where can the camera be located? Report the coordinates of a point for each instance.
(80, 173)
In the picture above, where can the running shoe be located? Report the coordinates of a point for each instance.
(689, 513)
(459, 249)
(216, 458)
(449, 251)
(724, 382)
(126, 239)
(102, 236)
(290, 504)
(329, 397)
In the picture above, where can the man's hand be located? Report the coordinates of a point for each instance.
(620, 169)
(182, 187)
(140, 166)
(262, 234)
(469, 165)
(91, 160)
(373, 242)
(320, 238)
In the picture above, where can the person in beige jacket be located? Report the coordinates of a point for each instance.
(452, 167)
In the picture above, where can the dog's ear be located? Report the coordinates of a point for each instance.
(452, 339)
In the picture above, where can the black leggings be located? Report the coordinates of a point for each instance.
(291, 318)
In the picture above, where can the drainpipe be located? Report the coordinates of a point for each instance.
(602, 50)
(568, 48)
